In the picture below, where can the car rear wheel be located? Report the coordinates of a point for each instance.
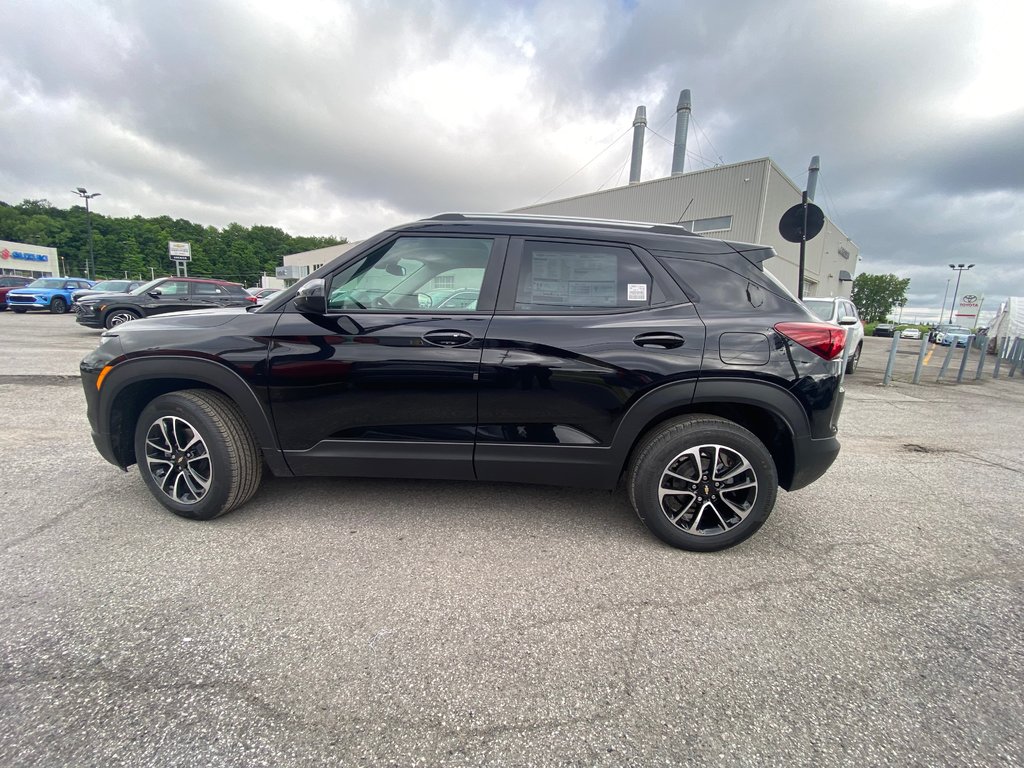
(119, 317)
(58, 305)
(196, 454)
(702, 483)
(853, 360)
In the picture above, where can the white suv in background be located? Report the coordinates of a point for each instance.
(843, 313)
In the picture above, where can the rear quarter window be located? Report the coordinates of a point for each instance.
(717, 289)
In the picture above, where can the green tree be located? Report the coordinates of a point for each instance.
(138, 244)
(875, 295)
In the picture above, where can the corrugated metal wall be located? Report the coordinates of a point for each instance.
(755, 193)
(728, 190)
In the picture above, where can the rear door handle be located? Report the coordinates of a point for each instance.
(447, 338)
(663, 340)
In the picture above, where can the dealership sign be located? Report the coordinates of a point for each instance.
(969, 307)
(6, 254)
(179, 251)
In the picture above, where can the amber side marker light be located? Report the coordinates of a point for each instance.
(103, 375)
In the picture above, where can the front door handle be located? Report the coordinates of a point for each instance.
(662, 340)
(447, 338)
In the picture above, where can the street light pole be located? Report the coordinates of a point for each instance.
(960, 269)
(945, 293)
(83, 193)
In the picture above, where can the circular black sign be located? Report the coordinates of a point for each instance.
(791, 224)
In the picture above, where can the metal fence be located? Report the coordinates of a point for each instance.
(1008, 354)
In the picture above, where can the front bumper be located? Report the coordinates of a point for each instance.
(86, 315)
(18, 302)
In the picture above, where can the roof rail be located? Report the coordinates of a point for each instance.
(663, 229)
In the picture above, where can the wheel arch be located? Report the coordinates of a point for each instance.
(769, 412)
(133, 384)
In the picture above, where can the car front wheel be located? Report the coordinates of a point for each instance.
(119, 317)
(196, 453)
(58, 305)
(702, 483)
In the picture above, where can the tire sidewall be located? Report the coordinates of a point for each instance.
(665, 445)
(174, 405)
(58, 305)
(853, 362)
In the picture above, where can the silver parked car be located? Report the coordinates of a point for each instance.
(842, 312)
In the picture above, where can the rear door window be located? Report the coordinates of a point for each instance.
(557, 276)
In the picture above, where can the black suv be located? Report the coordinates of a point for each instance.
(596, 352)
(157, 297)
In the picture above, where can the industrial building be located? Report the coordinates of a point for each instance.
(741, 201)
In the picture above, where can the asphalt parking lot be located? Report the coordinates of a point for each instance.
(875, 619)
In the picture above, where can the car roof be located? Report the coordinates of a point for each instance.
(651, 235)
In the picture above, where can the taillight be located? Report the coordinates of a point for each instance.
(253, 299)
(826, 341)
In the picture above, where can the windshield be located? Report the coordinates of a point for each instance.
(958, 329)
(47, 283)
(147, 287)
(822, 309)
(110, 285)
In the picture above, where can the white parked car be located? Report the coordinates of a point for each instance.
(843, 313)
(910, 333)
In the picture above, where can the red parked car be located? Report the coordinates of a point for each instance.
(7, 282)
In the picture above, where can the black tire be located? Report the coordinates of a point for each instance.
(232, 465)
(19, 310)
(665, 447)
(854, 360)
(118, 317)
(58, 305)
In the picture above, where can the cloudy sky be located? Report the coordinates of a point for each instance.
(330, 117)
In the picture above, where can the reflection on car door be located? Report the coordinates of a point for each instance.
(378, 381)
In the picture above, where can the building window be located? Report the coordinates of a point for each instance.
(444, 281)
(716, 224)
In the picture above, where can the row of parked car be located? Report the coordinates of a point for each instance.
(108, 303)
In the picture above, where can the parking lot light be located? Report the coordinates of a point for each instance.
(960, 269)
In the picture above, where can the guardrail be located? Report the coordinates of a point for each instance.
(1010, 352)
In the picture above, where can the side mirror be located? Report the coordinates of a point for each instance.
(848, 320)
(310, 299)
(156, 293)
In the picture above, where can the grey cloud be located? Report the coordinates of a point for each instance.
(272, 113)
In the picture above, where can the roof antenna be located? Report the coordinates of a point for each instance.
(680, 221)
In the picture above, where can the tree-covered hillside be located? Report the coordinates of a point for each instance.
(135, 245)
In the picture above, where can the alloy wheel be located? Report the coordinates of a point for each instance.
(707, 490)
(179, 460)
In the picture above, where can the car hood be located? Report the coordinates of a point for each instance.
(35, 291)
(89, 293)
(195, 318)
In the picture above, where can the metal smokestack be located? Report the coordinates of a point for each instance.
(682, 127)
(812, 176)
(639, 125)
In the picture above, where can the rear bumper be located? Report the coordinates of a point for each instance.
(812, 459)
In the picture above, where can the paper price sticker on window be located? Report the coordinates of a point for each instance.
(636, 292)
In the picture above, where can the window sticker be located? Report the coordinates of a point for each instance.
(636, 292)
(574, 278)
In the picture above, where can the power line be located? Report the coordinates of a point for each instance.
(570, 176)
(718, 154)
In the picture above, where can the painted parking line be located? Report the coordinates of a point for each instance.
(929, 355)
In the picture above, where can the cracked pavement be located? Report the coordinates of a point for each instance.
(876, 618)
